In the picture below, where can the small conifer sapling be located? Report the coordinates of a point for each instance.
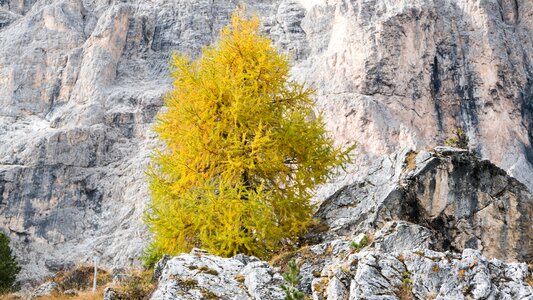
(9, 267)
(292, 278)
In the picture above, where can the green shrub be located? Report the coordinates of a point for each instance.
(293, 278)
(406, 290)
(9, 267)
(406, 279)
(358, 246)
(460, 140)
(243, 152)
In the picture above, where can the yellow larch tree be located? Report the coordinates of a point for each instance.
(243, 151)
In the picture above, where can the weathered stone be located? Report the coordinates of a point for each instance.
(462, 202)
(159, 266)
(56, 265)
(110, 294)
(336, 290)
(45, 289)
(261, 281)
(398, 236)
(190, 276)
(422, 275)
(70, 292)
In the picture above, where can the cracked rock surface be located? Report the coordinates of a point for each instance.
(202, 276)
(461, 202)
(334, 270)
(422, 274)
(81, 82)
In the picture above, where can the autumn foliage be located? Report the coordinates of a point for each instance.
(243, 151)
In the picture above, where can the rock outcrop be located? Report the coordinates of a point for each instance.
(463, 201)
(408, 73)
(428, 225)
(335, 270)
(81, 82)
(421, 274)
(202, 276)
(45, 289)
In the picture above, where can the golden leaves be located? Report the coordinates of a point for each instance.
(242, 153)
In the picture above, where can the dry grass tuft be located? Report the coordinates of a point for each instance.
(83, 295)
(410, 160)
(282, 259)
(81, 278)
(137, 286)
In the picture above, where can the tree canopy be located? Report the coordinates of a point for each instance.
(243, 151)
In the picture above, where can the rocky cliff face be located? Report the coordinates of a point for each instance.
(408, 73)
(81, 82)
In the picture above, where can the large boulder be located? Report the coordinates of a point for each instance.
(202, 276)
(45, 290)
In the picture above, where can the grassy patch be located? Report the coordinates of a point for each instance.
(81, 278)
(362, 243)
(406, 291)
(137, 286)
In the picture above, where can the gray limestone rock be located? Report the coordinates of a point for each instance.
(398, 236)
(45, 289)
(345, 274)
(56, 265)
(462, 201)
(159, 267)
(110, 294)
(204, 276)
(422, 274)
(70, 292)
